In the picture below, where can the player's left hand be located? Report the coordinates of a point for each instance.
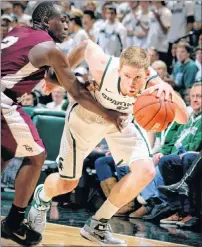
(161, 87)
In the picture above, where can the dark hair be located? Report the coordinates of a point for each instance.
(19, 4)
(44, 9)
(112, 7)
(77, 20)
(185, 45)
(90, 13)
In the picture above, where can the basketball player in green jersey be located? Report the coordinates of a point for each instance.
(119, 81)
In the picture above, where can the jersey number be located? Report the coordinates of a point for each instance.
(8, 41)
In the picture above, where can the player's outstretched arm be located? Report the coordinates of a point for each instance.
(46, 54)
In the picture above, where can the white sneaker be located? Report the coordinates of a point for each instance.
(38, 212)
(100, 232)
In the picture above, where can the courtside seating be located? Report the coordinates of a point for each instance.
(29, 110)
(50, 126)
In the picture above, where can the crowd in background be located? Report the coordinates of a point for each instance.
(170, 31)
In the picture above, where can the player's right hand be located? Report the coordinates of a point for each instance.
(47, 88)
(118, 119)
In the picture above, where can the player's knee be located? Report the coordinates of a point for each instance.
(150, 170)
(145, 167)
(38, 160)
(67, 185)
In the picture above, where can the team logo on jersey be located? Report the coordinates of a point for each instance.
(28, 148)
(121, 105)
(60, 165)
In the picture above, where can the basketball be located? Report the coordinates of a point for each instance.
(152, 113)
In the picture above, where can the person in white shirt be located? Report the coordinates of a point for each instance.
(78, 33)
(159, 27)
(198, 63)
(143, 18)
(112, 34)
(88, 24)
(181, 23)
(182, 19)
(130, 22)
(18, 10)
(122, 10)
(58, 99)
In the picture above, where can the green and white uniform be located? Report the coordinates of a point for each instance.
(84, 129)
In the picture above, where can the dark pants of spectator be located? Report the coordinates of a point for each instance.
(172, 169)
(105, 168)
(163, 56)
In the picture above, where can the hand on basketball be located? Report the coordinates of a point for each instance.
(161, 87)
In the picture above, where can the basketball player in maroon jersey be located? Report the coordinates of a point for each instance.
(27, 52)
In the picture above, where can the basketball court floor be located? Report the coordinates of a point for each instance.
(64, 224)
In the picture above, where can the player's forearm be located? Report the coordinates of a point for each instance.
(181, 114)
(76, 56)
(86, 100)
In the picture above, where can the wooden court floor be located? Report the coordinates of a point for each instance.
(60, 235)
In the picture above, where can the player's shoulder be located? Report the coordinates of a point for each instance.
(30, 35)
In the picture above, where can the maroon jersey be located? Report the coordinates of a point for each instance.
(18, 75)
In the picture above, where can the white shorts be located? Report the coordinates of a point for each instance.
(84, 130)
(19, 136)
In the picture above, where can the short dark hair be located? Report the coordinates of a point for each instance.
(90, 13)
(76, 19)
(44, 9)
(19, 4)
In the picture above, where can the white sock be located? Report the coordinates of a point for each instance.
(106, 211)
(43, 196)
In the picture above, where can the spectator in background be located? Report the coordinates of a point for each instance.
(18, 10)
(6, 22)
(174, 58)
(98, 23)
(112, 34)
(186, 139)
(92, 6)
(143, 19)
(130, 22)
(153, 55)
(122, 10)
(198, 62)
(88, 22)
(67, 6)
(187, 135)
(185, 69)
(7, 8)
(181, 23)
(78, 33)
(159, 27)
(58, 99)
(200, 40)
(161, 69)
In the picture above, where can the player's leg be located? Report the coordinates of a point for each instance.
(20, 139)
(73, 149)
(131, 148)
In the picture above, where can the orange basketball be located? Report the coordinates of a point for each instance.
(152, 113)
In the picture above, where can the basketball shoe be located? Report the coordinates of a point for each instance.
(38, 212)
(24, 235)
(100, 231)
